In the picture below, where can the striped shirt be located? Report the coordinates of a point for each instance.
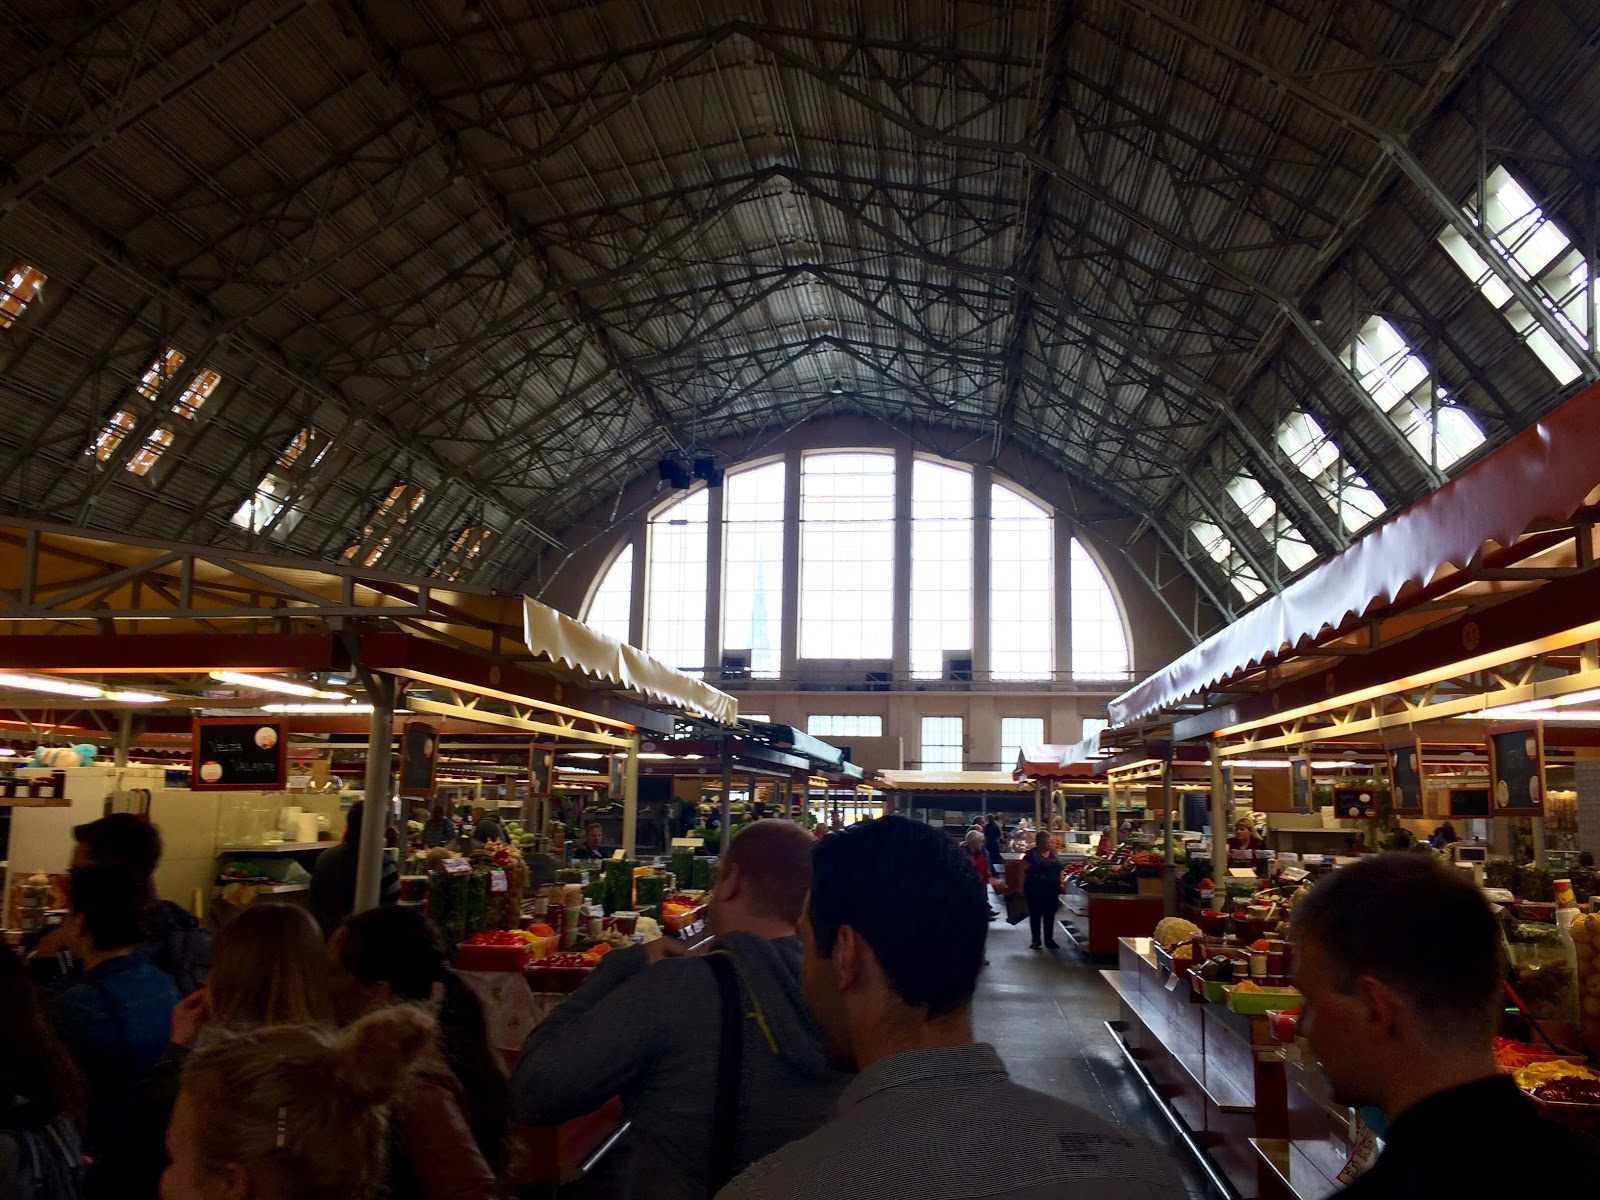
(948, 1123)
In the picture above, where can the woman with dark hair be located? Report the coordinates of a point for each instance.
(42, 1096)
(451, 1125)
(1041, 887)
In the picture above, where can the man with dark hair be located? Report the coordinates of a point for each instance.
(715, 1057)
(116, 1019)
(333, 877)
(174, 941)
(590, 846)
(894, 933)
(1398, 957)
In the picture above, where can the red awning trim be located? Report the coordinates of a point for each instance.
(1546, 473)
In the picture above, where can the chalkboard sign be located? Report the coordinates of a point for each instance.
(1469, 802)
(1355, 803)
(1516, 770)
(1405, 778)
(1300, 784)
(238, 754)
(419, 757)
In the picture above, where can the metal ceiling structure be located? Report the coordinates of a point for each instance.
(443, 273)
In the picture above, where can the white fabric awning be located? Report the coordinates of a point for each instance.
(574, 644)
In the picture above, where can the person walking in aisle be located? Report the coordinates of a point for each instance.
(1041, 887)
(894, 932)
(1399, 960)
(716, 1067)
(992, 839)
(42, 1096)
(975, 850)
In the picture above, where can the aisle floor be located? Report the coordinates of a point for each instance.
(1045, 1012)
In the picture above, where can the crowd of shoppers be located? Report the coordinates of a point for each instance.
(825, 1044)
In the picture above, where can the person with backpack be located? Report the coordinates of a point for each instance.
(716, 1059)
(116, 1018)
(173, 943)
(42, 1096)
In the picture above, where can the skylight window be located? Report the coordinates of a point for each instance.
(154, 447)
(197, 393)
(1395, 376)
(1315, 456)
(465, 549)
(1261, 510)
(1220, 550)
(159, 373)
(111, 434)
(261, 508)
(1536, 249)
(21, 284)
(611, 606)
(393, 511)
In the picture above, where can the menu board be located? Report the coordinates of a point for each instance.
(238, 754)
(1405, 778)
(1516, 771)
(419, 757)
(1300, 784)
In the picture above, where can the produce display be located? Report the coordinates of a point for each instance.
(1586, 941)
(1170, 931)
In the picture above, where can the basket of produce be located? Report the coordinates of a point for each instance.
(560, 973)
(492, 950)
(1565, 1092)
(1252, 1000)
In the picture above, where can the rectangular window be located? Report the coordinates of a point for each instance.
(465, 549)
(262, 507)
(752, 555)
(844, 725)
(1221, 551)
(1021, 592)
(196, 393)
(111, 435)
(941, 565)
(1396, 377)
(393, 511)
(675, 626)
(1534, 248)
(159, 373)
(756, 718)
(942, 748)
(847, 556)
(1261, 510)
(154, 447)
(20, 285)
(1099, 640)
(1315, 456)
(1016, 733)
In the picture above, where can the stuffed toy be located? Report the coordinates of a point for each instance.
(64, 756)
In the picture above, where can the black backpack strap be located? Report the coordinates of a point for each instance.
(730, 1064)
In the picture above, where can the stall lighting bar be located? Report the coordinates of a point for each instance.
(82, 691)
(325, 710)
(270, 683)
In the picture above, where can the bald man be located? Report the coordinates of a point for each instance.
(648, 1025)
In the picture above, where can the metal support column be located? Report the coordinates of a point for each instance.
(727, 798)
(1038, 806)
(1111, 809)
(1169, 876)
(124, 737)
(1219, 820)
(382, 693)
(1538, 842)
(630, 798)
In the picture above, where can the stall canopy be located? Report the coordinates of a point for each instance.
(1052, 762)
(574, 644)
(952, 781)
(1548, 473)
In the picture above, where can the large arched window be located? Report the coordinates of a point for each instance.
(675, 584)
(847, 555)
(1099, 641)
(611, 606)
(836, 563)
(941, 566)
(1021, 591)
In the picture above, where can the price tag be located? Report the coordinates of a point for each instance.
(456, 866)
(1173, 980)
(497, 883)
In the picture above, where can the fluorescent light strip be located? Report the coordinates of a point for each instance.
(269, 683)
(81, 691)
(318, 709)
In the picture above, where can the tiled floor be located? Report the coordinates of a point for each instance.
(1044, 1011)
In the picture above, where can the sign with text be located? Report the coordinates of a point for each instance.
(233, 754)
(419, 759)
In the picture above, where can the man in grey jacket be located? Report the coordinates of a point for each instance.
(894, 930)
(646, 1026)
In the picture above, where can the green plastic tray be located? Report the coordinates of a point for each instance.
(1216, 992)
(1255, 1004)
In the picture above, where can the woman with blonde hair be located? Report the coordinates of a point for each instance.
(268, 967)
(292, 1112)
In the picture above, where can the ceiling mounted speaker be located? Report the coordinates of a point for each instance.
(707, 469)
(673, 473)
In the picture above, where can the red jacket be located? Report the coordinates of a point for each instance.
(980, 860)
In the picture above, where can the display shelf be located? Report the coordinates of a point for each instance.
(266, 889)
(275, 848)
(1291, 1169)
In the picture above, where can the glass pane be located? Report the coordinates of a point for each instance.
(675, 629)
(941, 565)
(752, 555)
(1021, 589)
(942, 744)
(847, 555)
(611, 606)
(824, 725)
(1016, 733)
(1099, 641)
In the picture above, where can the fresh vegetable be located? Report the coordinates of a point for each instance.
(1172, 930)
